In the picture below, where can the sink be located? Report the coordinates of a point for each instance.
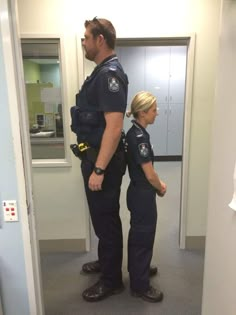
(42, 134)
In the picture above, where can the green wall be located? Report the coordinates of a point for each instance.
(31, 71)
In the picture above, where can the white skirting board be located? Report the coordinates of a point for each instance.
(1, 311)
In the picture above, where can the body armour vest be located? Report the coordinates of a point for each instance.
(87, 120)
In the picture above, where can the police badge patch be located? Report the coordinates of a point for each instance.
(113, 84)
(143, 149)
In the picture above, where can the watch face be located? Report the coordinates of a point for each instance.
(98, 170)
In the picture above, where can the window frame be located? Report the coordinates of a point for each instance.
(44, 38)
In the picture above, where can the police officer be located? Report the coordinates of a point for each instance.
(141, 197)
(98, 122)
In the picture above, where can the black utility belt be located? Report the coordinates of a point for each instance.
(142, 184)
(84, 152)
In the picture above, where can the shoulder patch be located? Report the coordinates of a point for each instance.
(143, 149)
(113, 84)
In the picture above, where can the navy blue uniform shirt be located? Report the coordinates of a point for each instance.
(139, 151)
(105, 90)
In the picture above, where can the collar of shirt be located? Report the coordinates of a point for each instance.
(139, 127)
(112, 57)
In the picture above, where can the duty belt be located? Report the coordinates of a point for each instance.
(84, 151)
(142, 184)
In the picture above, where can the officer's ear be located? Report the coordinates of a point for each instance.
(142, 113)
(101, 39)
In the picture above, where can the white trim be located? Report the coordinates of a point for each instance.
(81, 77)
(186, 140)
(9, 26)
(80, 61)
(67, 162)
(37, 163)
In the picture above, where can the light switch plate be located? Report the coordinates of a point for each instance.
(10, 210)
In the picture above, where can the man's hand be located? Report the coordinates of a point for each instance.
(95, 182)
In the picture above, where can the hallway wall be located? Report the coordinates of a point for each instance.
(220, 260)
(168, 19)
(13, 235)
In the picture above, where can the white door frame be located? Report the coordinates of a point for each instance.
(186, 140)
(17, 103)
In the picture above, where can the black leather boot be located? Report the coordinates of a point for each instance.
(151, 295)
(99, 292)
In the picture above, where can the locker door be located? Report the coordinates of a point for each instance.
(132, 60)
(175, 129)
(177, 74)
(157, 61)
(158, 131)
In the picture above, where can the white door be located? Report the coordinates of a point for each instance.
(51, 83)
(15, 64)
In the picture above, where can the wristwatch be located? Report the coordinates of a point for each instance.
(98, 170)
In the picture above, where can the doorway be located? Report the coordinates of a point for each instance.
(174, 58)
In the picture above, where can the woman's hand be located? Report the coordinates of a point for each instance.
(161, 192)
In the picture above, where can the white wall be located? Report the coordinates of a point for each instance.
(161, 18)
(61, 208)
(12, 275)
(220, 262)
(17, 289)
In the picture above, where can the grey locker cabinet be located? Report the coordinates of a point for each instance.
(162, 71)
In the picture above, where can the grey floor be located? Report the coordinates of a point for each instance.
(180, 271)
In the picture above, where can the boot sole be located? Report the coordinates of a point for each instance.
(147, 299)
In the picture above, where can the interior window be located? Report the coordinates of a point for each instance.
(42, 75)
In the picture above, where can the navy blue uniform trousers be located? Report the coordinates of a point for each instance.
(104, 209)
(141, 201)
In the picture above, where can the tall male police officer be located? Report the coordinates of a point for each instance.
(97, 120)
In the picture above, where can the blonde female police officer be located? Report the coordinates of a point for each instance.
(141, 197)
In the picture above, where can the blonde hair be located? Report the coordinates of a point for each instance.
(142, 101)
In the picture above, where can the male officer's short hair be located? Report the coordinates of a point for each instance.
(103, 27)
